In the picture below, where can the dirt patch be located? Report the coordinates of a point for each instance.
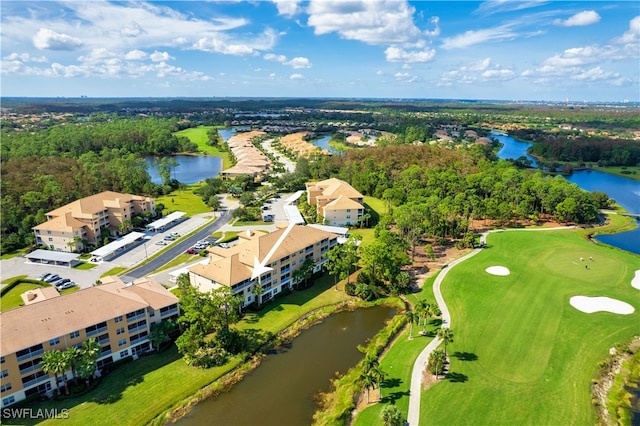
(362, 402)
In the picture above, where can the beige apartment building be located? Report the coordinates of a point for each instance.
(249, 159)
(82, 220)
(336, 201)
(118, 315)
(266, 260)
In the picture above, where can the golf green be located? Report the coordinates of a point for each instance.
(522, 354)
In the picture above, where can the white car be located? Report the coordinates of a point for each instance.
(161, 243)
(67, 285)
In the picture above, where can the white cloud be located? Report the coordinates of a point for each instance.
(405, 77)
(296, 77)
(586, 17)
(24, 57)
(469, 38)
(160, 56)
(298, 62)
(274, 57)
(287, 7)
(396, 54)
(132, 29)
(272, 76)
(49, 39)
(491, 7)
(135, 55)
(480, 71)
(632, 35)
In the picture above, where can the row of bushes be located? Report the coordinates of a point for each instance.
(19, 280)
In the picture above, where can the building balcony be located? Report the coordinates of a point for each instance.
(97, 331)
(30, 355)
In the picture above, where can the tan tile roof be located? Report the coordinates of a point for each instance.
(342, 203)
(39, 294)
(57, 317)
(65, 222)
(332, 188)
(235, 264)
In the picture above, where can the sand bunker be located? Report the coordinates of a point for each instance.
(596, 304)
(498, 270)
(635, 282)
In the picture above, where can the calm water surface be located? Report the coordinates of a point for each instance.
(281, 390)
(190, 169)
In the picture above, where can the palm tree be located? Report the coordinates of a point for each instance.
(437, 360)
(412, 317)
(368, 382)
(257, 291)
(425, 311)
(90, 353)
(56, 362)
(378, 378)
(369, 363)
(446, 334)
(74, 354)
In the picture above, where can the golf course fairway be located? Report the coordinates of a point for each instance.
(521, 353)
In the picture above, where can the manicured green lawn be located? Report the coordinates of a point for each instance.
(378, 205)
(12, 298)
(183, 200)
(522, 354)
(85, 266)
(198, 135)
(630, 172)
(114, 271)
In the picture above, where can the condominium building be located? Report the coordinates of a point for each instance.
(118, 315)
(69, 227)
(336, 201)
(266, 260)
(249, 159)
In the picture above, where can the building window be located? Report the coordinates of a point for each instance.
(120, 330)
(119, 319)
(5, 387)
(54, 342)
(74, 334)
(9, 400)
(122, 342)
(2, 360)
(124, 353)
(50, 239)
(152, 313)
(4, 373)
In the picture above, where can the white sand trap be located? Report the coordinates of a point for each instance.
(596, 304)
(635, 281)
(498, 270)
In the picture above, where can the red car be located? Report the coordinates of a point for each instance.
(192, 251)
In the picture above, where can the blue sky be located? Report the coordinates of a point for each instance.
(499, 49)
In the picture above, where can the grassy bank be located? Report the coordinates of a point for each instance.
(530, 356)
(630, 172)
(183, 200)
(198, 135)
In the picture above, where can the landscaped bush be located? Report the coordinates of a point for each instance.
(20, 280)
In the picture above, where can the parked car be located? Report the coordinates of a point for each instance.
(174, 235)
(61, 282)
(56, 281)
(44, 276)
(161, 243)
(192, 250)
(51, 278)
(169, 238)
(67, 285)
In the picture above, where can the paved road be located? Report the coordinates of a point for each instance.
(420, 364)
(176, 249)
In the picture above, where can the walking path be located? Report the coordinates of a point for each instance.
(420, 364)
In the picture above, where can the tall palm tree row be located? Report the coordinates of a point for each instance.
(446, 334)
(55, 363)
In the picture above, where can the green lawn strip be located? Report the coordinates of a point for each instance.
(378, 205)
(520, 350)
(15, 253)
(198, 135)
(629, 172)
(282, 312)
(228, 236)
(12, 298)
(180, 259)
(114, 271)
(398, 362)
(137, 391)
(10, 279)
(183, 200)
(85, 266)
(251, 223)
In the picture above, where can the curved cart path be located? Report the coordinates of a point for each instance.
(419, 366)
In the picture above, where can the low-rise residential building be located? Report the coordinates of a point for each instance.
(117, 314)
(81, 222)
(266, 260)
(336, 201)
(249, 159)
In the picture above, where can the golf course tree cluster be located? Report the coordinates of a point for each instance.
(342, 259)
(82, 361)
(206, 319)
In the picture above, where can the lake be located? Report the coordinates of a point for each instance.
(624, 191)
(190, 169)
(281, 390)
(323, 142)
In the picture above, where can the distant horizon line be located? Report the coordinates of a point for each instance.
(387, 99)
